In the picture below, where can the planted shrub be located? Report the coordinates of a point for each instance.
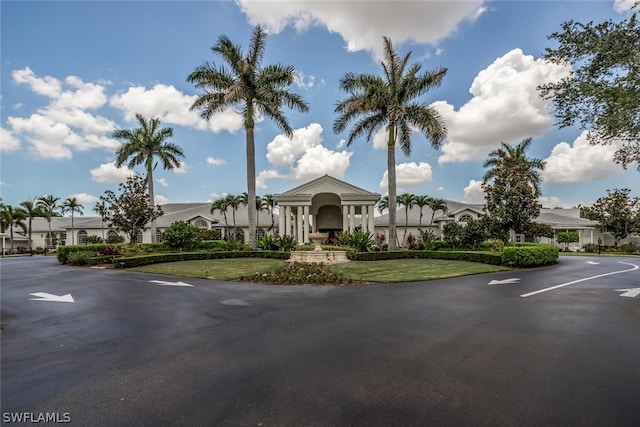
(300, 273)
(181, 235)
(530, 255)
(286, 243)
(109, 251)
(268, 243)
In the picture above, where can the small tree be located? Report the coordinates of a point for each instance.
(537, 231)
(181, 235)
(473, 233)
(131, 211)
(567, 237)
(618, 213)
(452, 234)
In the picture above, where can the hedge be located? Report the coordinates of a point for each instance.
(483, 257)
(530, 255)
(136, 261)
(63, 252)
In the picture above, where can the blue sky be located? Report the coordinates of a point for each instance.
(73, 72)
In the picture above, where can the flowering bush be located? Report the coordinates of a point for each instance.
(300, 273)
(108, 251)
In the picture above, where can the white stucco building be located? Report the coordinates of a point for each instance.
(325, 204)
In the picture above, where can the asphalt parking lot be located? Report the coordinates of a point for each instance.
(558, 345)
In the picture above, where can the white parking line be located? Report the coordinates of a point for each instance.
(635, 267)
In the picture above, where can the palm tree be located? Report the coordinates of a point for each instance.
(221, 205)
(234, 203)
(49, 206)
(72, 206)
(13, 217)
(514, 161)
(421, 201)
(436, 204)
(244, 82)
(31, 209)
(269, 204)
(383, 203)
(391, 102)
(407, 200)
(101, 209)
(142, 145)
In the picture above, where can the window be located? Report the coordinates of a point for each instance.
(139, 237)
(240, 235)
(260, 233)
(201, 224)
(465, 218)
(518, 238)
(158, 235)
(82, 237)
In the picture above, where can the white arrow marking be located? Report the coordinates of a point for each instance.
(504, 282)
(43, 296)
(163, 283)
(633, 267)
(593, 262)
(631, 293)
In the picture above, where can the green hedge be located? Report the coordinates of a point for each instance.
(530, 255)
(127, 262)
(213, 245)
(483, 257)
(63, 252)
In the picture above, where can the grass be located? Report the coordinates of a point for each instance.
(387, 271)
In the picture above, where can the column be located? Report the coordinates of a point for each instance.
(305, 233)
(345, 218)
(352, 218)
(371, 218)
(299, 234)
(364, 214)
(281, 222)
(287, 218)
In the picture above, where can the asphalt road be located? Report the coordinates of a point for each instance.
(129, 351)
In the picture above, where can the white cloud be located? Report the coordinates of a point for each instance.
(318, 161)
(162, 181)
(341, 143)
(261, 179)
(160, 199)
(182, 167)
(303, 157)
(303, 81)
(64, 124)
(506, 107)
(215, 162)
(9, 142)
(622, 6)
(580, 162)
(109, 173)
(473, 193)
(409, 175)
(47, 86)
(172, 108)
(84, 198)
(361, 23)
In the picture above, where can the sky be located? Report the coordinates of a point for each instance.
(73, 72)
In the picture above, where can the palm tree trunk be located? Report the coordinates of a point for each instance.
(391, 180)
(152, 201)
(73, 238)
(251, 182)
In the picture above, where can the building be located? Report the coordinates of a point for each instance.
(325, 204)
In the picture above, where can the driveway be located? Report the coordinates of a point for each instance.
(142, 349)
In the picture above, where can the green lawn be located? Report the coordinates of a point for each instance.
(387, 271)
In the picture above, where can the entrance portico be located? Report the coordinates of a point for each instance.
(325, 204)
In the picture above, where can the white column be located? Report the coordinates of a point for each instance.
(299, 235)
(287, 218)
(305, 233)
(371, 218)
(281, 222)
(352, 218)
(364, 220)
(345, 218)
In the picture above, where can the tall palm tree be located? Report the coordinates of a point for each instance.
(407, 200)
(101, 209)
(142, 145)
(13, 217)
(31, 209)
(421, 201)
(436, 204)
(383, 203)
(72, 206)
(49, 206)
(244, 82)
(391, 102)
